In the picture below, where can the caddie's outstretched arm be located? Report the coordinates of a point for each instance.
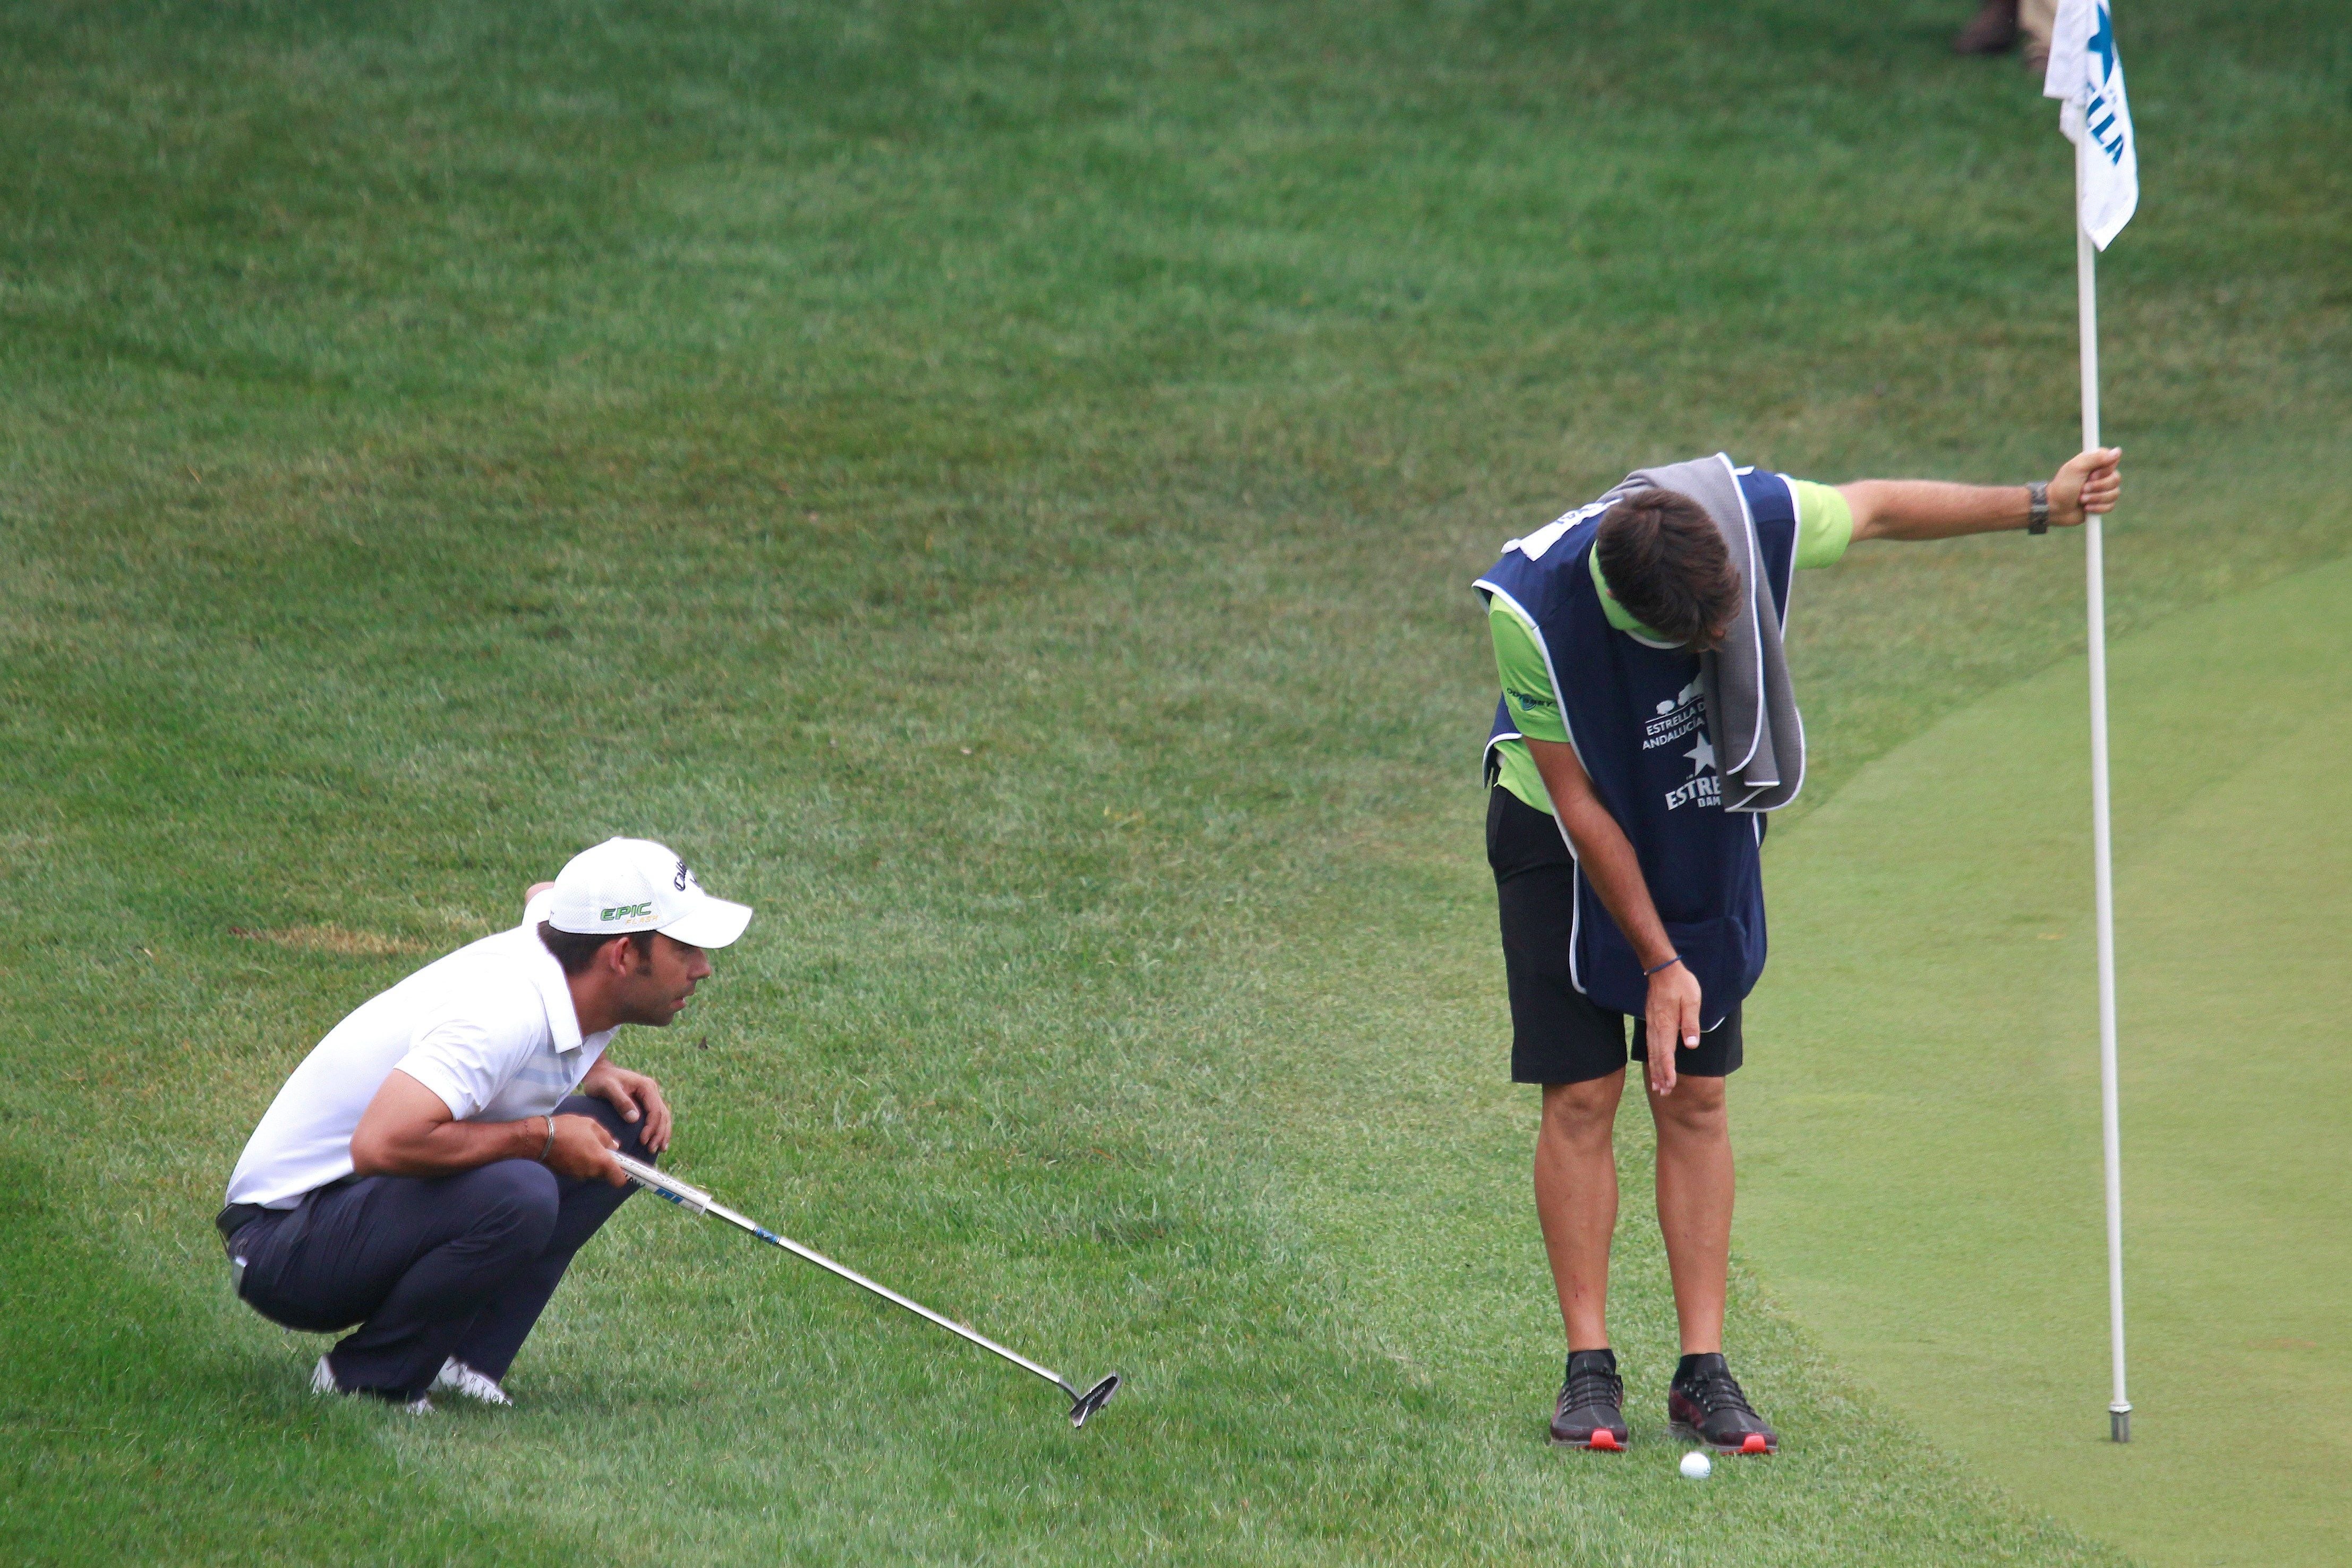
(1606, 858)
(1930, 510)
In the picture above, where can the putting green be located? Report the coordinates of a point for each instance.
(1921, 1138)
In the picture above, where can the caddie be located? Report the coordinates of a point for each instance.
(430, 1168)
(1646, 726)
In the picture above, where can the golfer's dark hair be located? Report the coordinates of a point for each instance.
(1666, 565)
(575, 950)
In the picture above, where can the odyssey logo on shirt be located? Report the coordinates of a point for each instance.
(1532, 700)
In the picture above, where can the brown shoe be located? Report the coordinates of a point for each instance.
(1991, 31)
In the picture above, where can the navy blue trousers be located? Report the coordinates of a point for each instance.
(427, 1267)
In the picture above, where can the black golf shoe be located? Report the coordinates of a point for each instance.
(1705, 1406)
(1592, 1409)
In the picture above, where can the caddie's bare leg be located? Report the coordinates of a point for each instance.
(1695, 1191)
(1576, 1200)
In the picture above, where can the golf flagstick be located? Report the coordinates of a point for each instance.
(2103, 875)
(2086, 74)
(694, 1200)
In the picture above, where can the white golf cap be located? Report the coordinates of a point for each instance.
(635, 884)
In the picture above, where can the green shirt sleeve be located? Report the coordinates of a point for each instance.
(1527, 681)
(1824, 524)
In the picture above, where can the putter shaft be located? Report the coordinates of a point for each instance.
(1084, 1403)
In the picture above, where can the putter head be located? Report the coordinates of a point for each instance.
(1093, 1399)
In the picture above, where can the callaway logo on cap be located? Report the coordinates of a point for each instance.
(635, 884)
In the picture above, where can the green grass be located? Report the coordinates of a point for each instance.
(1929, 1150)
(996, 485)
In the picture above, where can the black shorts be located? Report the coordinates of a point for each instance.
(1558, 1035)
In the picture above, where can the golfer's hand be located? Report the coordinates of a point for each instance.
(583, 1150)
(2089, 483)
(1671, 1019)
(636, 1097)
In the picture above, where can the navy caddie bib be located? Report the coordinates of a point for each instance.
(1637, 718)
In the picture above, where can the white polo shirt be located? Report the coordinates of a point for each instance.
(489, 1028)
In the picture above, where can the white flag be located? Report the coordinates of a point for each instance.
(2086, 74)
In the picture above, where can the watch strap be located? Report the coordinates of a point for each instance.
(2037, 501)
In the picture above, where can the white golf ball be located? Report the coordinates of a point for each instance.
(1698, 1466)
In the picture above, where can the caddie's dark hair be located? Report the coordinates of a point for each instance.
(1666, 565)
(575, 950)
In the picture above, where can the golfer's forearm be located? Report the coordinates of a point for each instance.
(1932, 509)
(1606, 857)
(444, 1148)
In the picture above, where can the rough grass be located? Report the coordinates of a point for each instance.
(996, 483)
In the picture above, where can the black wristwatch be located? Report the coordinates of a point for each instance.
(2037, 501)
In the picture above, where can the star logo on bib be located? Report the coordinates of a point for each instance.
(1702, 756)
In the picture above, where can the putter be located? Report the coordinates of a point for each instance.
(694, 1200)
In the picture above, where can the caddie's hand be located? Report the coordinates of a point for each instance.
(636, 1097)
(2089, 483)
(583, 1150)
(1671, 1017)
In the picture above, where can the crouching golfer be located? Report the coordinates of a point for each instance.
(1647, 724)
(431, 1167)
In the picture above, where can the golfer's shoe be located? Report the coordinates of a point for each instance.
(1705, 1406)
(1592, 1409)
(457, 1377)
(323, 1381)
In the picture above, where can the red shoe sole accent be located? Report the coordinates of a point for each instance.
(1755, 1444)
(1608, 1441)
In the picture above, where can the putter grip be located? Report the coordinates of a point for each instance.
(662, 1184)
